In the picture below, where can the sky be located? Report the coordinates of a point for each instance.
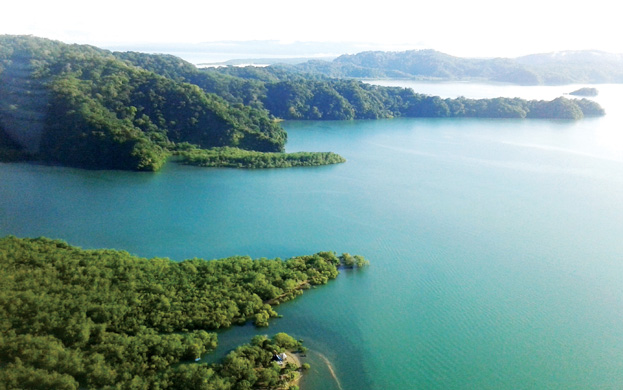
(468, 28)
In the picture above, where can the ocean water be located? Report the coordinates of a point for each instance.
(495, 245)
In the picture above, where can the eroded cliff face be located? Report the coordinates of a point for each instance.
(23, 103)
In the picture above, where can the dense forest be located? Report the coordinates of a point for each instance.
(87, 107)
(570, 67)
(73, 318)
(291, 95)
(82, 106)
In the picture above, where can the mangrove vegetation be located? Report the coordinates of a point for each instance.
(73, 318)
(239, 158)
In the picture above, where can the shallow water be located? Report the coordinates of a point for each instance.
(495, 245)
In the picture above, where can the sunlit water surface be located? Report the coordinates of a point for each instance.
(496, 245)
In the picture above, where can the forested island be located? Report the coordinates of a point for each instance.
(73, 318)
(585, 92)
(82, 106)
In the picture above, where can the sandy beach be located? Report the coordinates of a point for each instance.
(292, 357)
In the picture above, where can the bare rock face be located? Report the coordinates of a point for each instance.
(23, 103)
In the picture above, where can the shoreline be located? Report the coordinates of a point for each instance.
(292, 357)
(295, 358)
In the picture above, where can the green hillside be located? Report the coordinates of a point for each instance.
(82, 106)
(86, 107)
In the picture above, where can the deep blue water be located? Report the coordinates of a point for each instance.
(496, 245)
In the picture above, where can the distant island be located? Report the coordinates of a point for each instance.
(86, 107)
(587, 91)
(75, 319)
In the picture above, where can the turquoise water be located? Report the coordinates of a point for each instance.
(496, 250)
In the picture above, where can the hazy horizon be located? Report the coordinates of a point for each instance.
(267, 51)
(482, 28)
(278, 49)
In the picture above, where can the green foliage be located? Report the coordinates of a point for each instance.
(298, 96)
(131, 110)
(80, 131)
(590, 107)
(307, 99)
(74, 318)
(11, 151)
(560, 108)
(238, 158)
(349, 261)
(104, 112)
(290, 95)
(249, 366)
(286, 341)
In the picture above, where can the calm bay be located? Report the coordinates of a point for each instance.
(495, 245)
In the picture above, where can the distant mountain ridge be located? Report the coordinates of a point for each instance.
(570, 56)
(566, 67)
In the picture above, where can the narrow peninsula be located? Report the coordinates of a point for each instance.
(73, 318)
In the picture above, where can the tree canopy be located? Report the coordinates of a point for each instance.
(87, 107)
(73, 318)
(239, 158)
(292, 93)
(95, 110)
